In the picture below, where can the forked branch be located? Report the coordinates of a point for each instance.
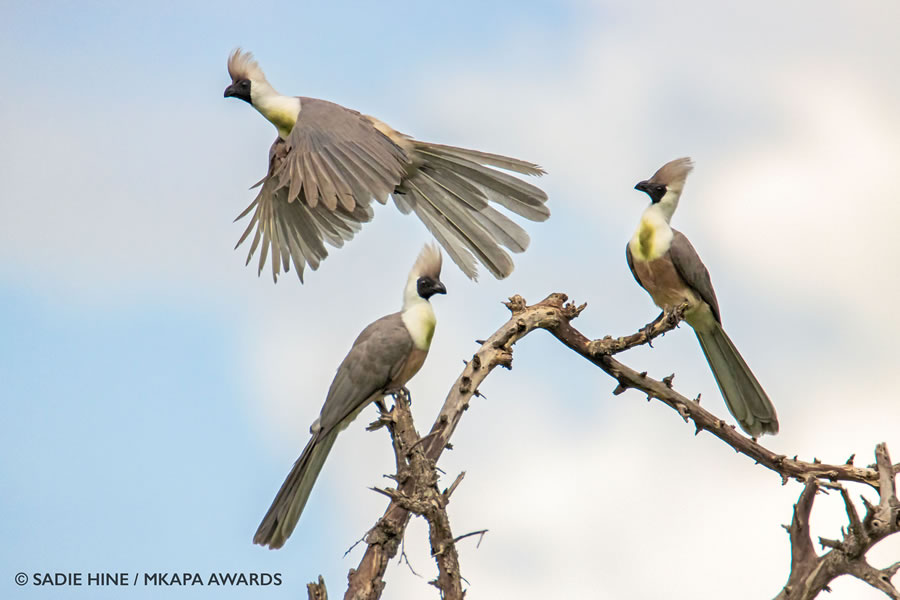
(417, 456)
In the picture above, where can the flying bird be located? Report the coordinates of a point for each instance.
(665, 264)
(329, 162)
(385, 356)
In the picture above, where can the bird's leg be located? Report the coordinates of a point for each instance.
(381, 407)
(648, 328)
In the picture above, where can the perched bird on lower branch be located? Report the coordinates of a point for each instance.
(385, 356)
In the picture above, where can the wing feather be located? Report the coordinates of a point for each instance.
(688, 264)
(317, 166)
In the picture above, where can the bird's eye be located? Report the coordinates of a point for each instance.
(661, 190)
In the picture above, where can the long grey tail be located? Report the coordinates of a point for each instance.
(744, 396)
(450, 192)
(282, 517)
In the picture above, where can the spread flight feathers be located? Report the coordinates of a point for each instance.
(329, 163)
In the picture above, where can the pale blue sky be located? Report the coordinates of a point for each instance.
(154, 392)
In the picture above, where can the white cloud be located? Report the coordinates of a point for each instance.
(625, 501)
(793, 124)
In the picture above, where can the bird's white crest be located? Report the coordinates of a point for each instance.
(428, 264)
(673, 173)
(242, 65)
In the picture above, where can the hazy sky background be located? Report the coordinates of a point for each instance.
(155, 391)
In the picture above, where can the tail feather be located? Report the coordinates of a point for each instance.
(511, 187)
(282, 516)
(503, 229)
(448, 239)
(462, 224)
(744, 396)
(451, 191)
(493, 160)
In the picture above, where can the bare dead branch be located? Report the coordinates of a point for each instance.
(810, 573)
(316, 590)
(666, 322)
(416, 493)
(417, 456)
(803, 553)
(788, 468)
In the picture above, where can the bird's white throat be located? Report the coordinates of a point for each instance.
(418, 316)
(653, 236)
(281, 111)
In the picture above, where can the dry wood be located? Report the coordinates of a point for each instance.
(417, 456)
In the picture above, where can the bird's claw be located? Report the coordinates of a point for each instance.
(403, 392)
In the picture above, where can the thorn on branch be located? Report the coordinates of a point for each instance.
(869, 507)
(828, 543)
(516, 304)
(570, 311)
(850, 460)
(449, 491)
(668, 380)
(619, 389)
(389, 492)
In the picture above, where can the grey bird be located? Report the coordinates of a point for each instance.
(385, 356)
(665, 264)
(329, 162)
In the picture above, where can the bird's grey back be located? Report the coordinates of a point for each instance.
(378, 352)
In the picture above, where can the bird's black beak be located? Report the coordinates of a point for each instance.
(641, 185)
(439, 287)
(230, 91)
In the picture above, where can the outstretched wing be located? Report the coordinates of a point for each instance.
(320, 185)
(322, 179)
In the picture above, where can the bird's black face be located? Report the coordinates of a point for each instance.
(656, 191)
(429, 286)
(239, 89)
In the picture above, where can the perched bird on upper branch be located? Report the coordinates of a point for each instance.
(385, 356)
(665, 264)
(329, 162)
